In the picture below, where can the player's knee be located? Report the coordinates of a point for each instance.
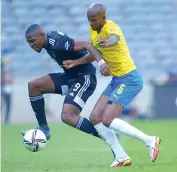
(95, 118)
(31, 85)
(66, 116)
(106, 120)
(34, 86)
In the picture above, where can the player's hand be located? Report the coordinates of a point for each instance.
(69, 64)
(104, 69)
(101, 40)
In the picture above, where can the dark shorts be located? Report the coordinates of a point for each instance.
(77, 89)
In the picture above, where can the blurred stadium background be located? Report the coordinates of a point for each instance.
(150, 29)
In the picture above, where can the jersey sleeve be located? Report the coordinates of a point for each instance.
(62, 42)
(112, 29)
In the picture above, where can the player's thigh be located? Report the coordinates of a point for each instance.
(97, 112)
(80, 90)
(60, 83)
(43, 84)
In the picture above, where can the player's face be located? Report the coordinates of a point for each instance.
(95, 21)
(36, 42)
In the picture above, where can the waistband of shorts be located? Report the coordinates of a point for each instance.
(128, 74)
(79, 74)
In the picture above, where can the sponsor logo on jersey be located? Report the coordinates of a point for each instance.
(67, 45)
(97, 45)
(116, 97)
(112, 30)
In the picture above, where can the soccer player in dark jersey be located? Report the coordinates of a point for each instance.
(77, 83)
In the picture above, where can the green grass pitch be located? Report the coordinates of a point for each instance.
(72, 151)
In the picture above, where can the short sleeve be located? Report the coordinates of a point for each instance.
(62, 42)
(112, 29)
(65, 43)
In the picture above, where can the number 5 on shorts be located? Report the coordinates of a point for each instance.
(121, 89)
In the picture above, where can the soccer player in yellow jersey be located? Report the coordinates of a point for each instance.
(126, 81)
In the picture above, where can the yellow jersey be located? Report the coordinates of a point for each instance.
(116, 56)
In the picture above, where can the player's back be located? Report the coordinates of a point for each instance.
(117, 56)
(61, 47)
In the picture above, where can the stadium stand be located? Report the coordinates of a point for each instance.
(149, 27)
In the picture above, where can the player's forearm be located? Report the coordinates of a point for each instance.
(113, 39)
(93, 51)
(86, 59)
(110, 42)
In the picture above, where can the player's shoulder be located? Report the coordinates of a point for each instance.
(55, 34)
(55, 38)
(111, 23)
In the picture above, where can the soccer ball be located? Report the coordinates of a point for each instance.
(34, 140)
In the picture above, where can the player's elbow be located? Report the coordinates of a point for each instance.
(86, 45)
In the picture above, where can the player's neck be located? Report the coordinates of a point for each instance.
(98, 31)
(45, 44)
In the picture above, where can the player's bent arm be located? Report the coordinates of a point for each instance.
(112, 40)
(83, 60)
(81, 45)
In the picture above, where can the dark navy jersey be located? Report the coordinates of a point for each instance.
(61, 47)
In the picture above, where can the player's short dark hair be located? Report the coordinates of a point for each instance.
(33, 28)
